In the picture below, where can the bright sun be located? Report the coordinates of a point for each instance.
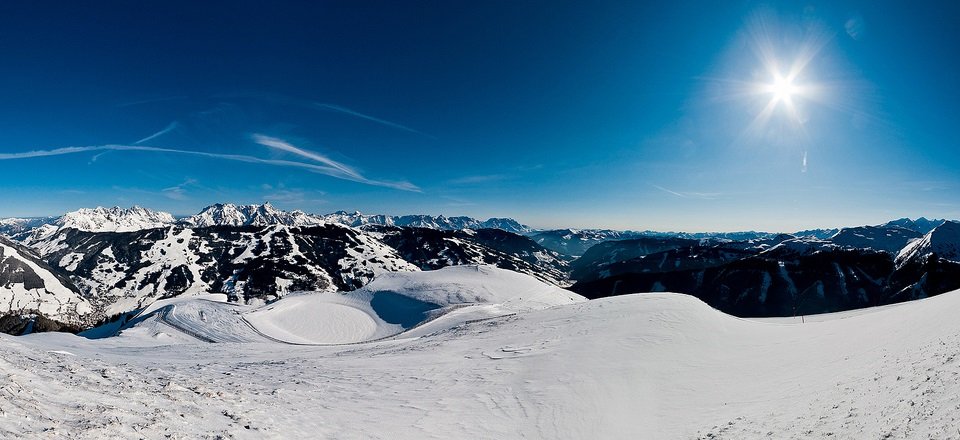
(782, 88)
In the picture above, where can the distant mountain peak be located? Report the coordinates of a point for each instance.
(921, 225)
(228, 214)
(115, 219)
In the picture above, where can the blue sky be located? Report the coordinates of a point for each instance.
(629, 115)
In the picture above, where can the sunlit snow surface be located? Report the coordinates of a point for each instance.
(636, 366)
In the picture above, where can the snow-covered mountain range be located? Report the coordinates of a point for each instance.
(854, 268)
(136, 218)
(249, 215)
(91, 264)
(426, 221)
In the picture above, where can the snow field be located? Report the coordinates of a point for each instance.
(636, 366)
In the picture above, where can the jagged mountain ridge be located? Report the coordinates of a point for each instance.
(249, 215)
(117, 219)
(440, 222)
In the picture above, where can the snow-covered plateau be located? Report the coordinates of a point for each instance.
(481, 352)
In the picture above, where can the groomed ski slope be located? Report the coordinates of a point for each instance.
(639, 366)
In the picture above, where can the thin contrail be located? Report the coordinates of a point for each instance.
(148, 101)
(689, 195)
(669, 191)
(347, 111)
(168, 129)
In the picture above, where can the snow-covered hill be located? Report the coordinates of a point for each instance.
(29, 286)
(634, 366)
(395, 303)
(399, 304)
(474, 284)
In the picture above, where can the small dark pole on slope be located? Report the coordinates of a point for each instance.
(796, 303)
(795, 313)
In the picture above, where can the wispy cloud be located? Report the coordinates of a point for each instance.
(688, 194)
(298, 196)
(468, 180)
(282, 145)
(97, 157)
(172, 126)
(333, 167)
(330, 170)
(294, 196)
(178, 192)
(350, 112)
